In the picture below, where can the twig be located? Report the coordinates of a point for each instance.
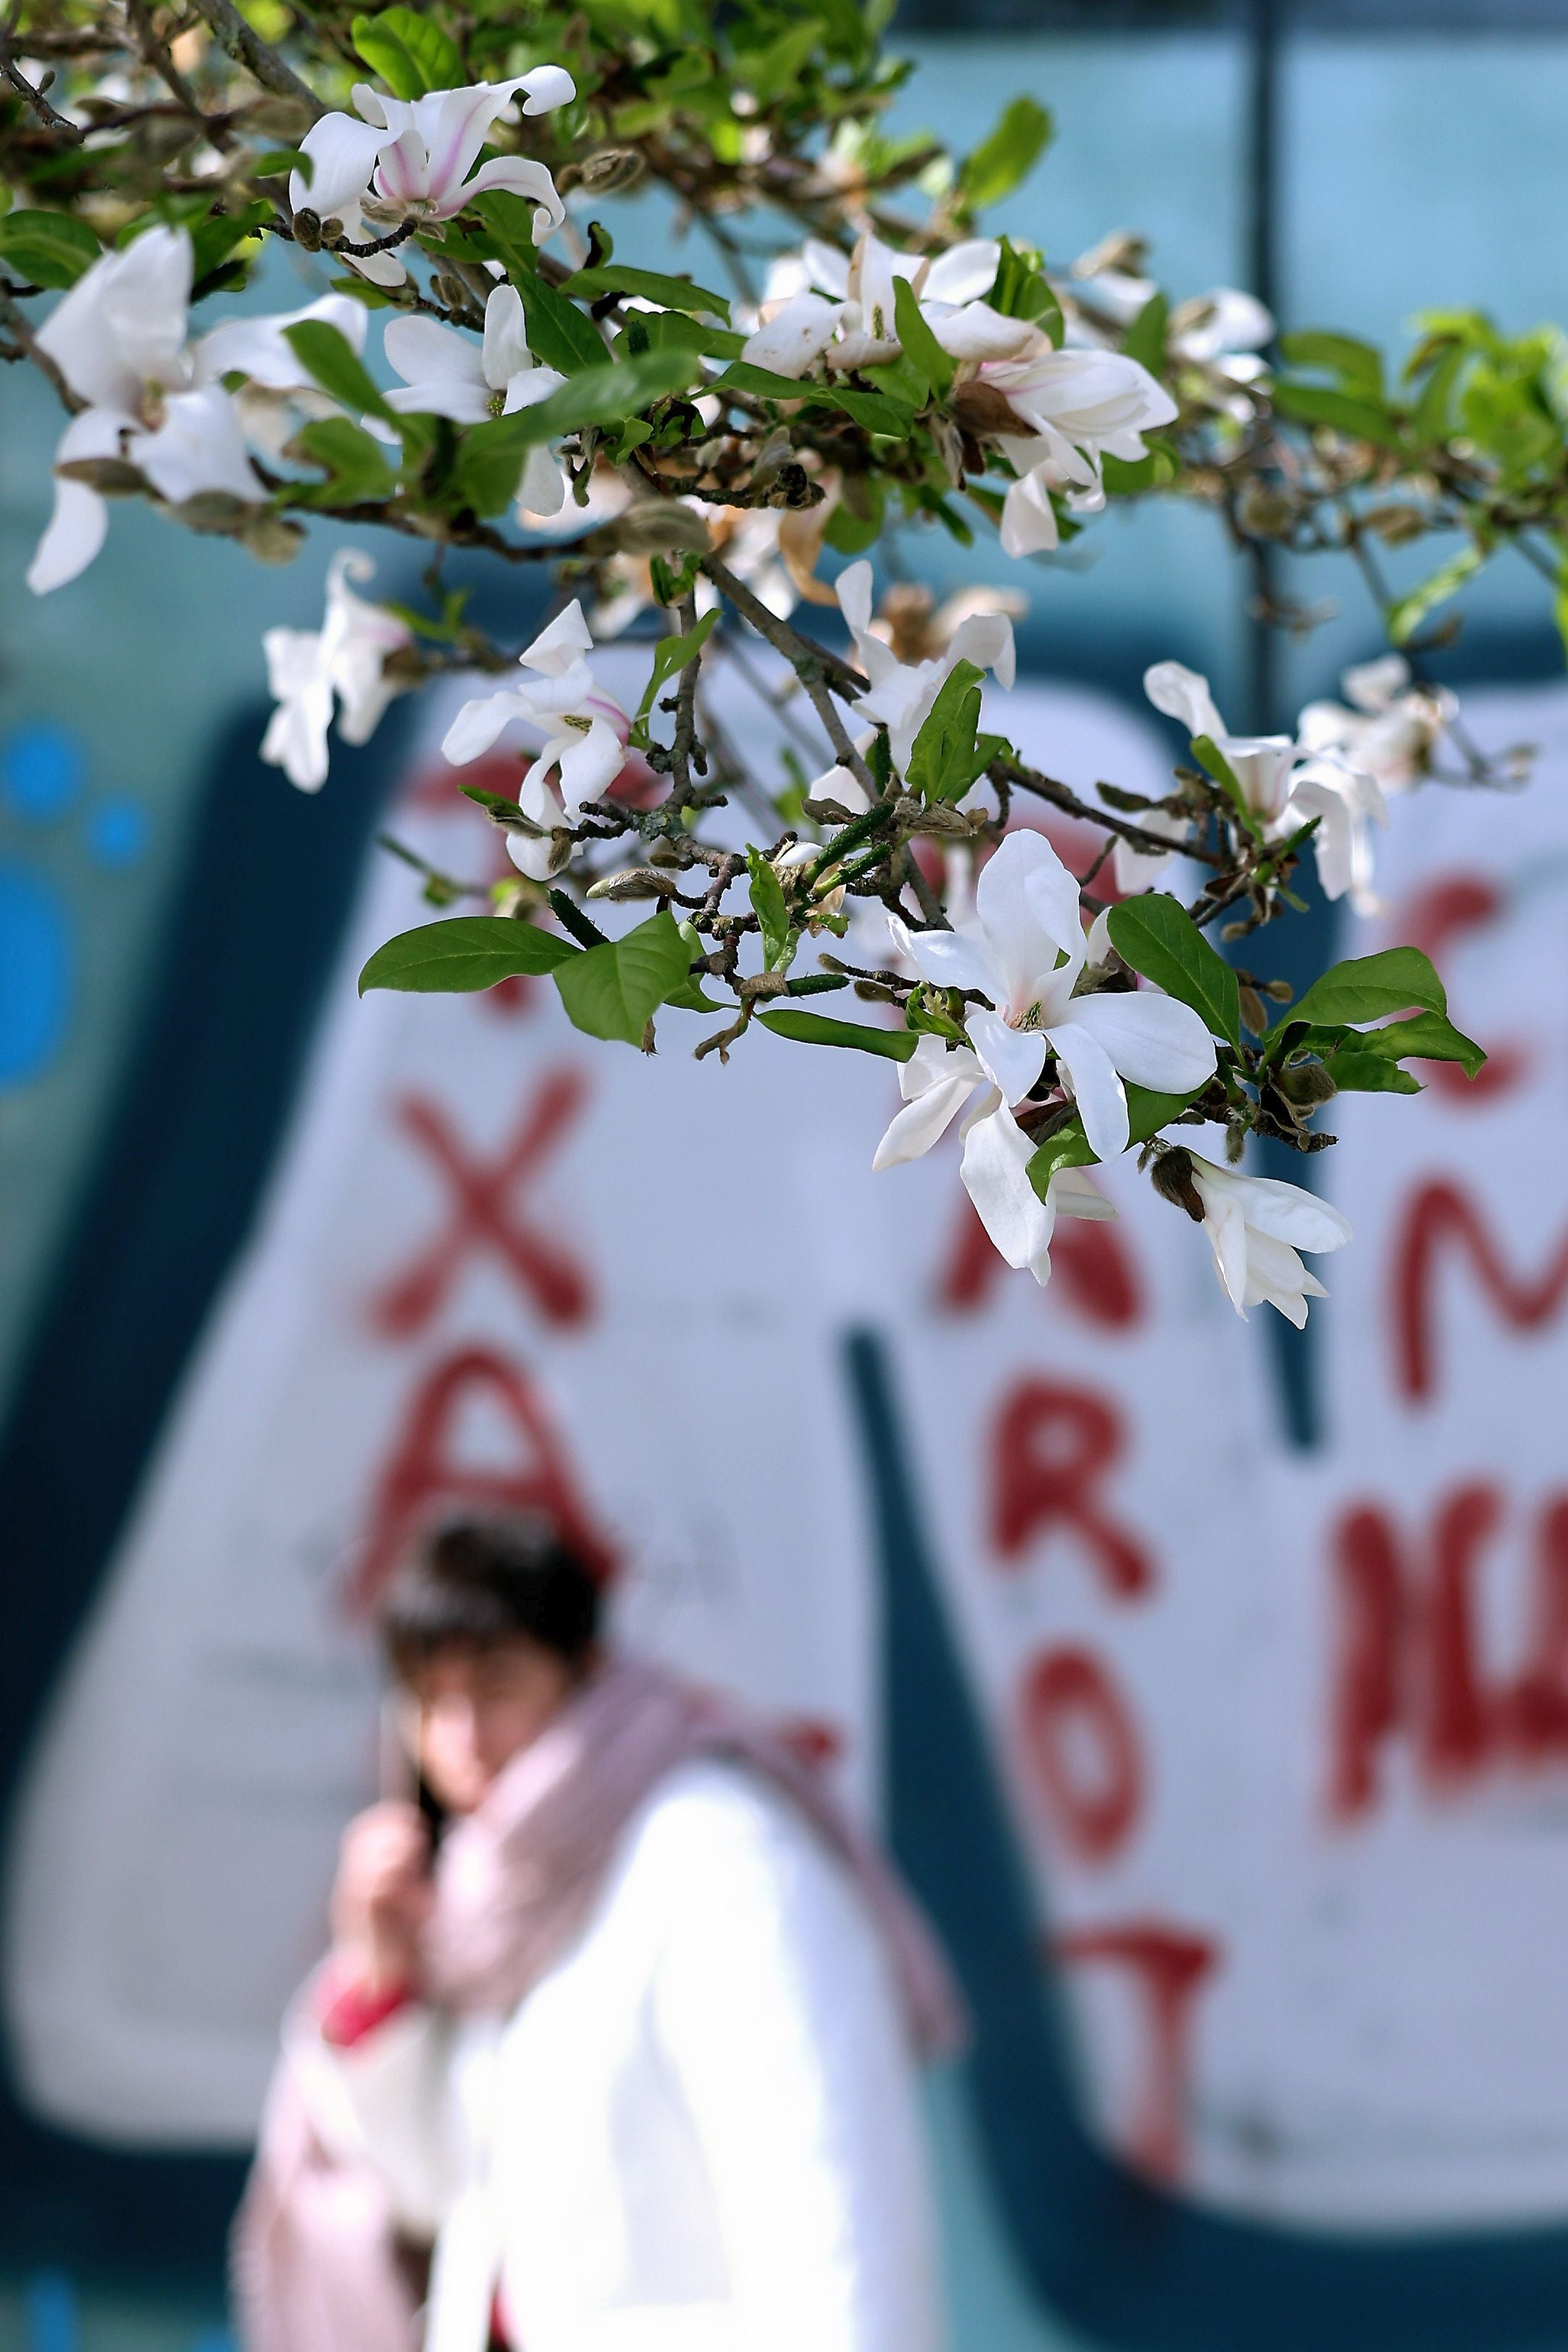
(156, 53)
(48, 115)
(259, 57)
(813, 664)
(1008, 771)
(683, 747)
(30, 347)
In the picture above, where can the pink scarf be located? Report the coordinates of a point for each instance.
(315, 2268)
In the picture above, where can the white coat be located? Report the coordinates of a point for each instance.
(698, 2133)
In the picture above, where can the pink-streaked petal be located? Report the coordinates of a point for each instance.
(520, 177)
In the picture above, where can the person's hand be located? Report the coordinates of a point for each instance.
(383, 1896)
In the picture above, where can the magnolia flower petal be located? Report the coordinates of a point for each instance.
(520, 177)
(79, 523)
(1286, 1212)
(344, 153)
(542, 489)
(1227, 1228)
(425, 355)
(1029, 524)
(1373, 686)
(853, 590)
(530, 386)
(1150, 1039)
(797, 334)
(965, 272)
(296, 737)
(259, 349)
(548, 87)
(978, 332)
(589, 765)
(827, 268)
(997, 1156)
(1028, 905)
(506, 352)
(986, 640)
(538, 855)
(478, 723)
(557, 648)
(1012, 1058)
(923, 1121)
(1074, 1194)
(1181, 693)
(200, 446)
(1096, 1089)
(948, 958)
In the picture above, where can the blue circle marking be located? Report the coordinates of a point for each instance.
(42, 769)
(118, 833)
(35, 975)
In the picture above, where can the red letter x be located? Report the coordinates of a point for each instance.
(483, 1211)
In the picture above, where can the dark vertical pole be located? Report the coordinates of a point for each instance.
(1262, 22)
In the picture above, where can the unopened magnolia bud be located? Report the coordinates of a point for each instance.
(1172, 1177)
(307, 230)
(656, 523)
(1307, 1082)
(634, 882)
(216, 511)
(612, 167)
(1252, 1011)
(112, 478)
(272, 537)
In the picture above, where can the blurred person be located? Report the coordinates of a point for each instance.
(613, 2048)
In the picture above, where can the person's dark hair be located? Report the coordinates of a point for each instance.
(476, 1581)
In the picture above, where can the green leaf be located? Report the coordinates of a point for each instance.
(1316, 403)
(1148, 1112)
(1370, 1074)
(998, 164)
(1022, 290)
(47, 248)
(651, 285)
(409, 52)
(332, 361)
(773, 71)
(614, 990)
(677, 330)
(821, 1029)
(873, 410)
(1365, 988)
(355, 465)
(689, 996)
(492, 453)
(467, 952)
(949, 754)
(673, 653)
(1213, 761)
(1424, 1037)
(559, 334)
(768, 905)
(1157, 937)
(1358, 365)
(1145, 338)
(1068, 1148)
(215, 238)
(920, 346)
(1406, 613)
(279, 161)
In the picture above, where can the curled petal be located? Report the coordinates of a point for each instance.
(520, 177)
(1182, 694)
(548, 87)
(478, 724)
(557, 648)
(994, 1169)
(79, 523)
(1028, 518)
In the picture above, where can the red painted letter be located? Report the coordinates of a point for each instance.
(1050, 1450)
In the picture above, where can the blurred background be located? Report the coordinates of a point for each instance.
(1251, 1839)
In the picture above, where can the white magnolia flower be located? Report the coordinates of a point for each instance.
(1256, 1226)
(1390, 728)
(344, 659)
(824, 303)
(937, 1083)
(445, 374)
(903, 693)
(276, 383)
(1025, 949)
(584, 732)
(1286, 781)
(416, 158)
(1224, 330)
(118, 340)
(1076, 408)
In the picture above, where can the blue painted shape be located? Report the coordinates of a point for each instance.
(51, 2315)
(214, 2339)
(42, 769)
(118, 833)
(37, 974)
